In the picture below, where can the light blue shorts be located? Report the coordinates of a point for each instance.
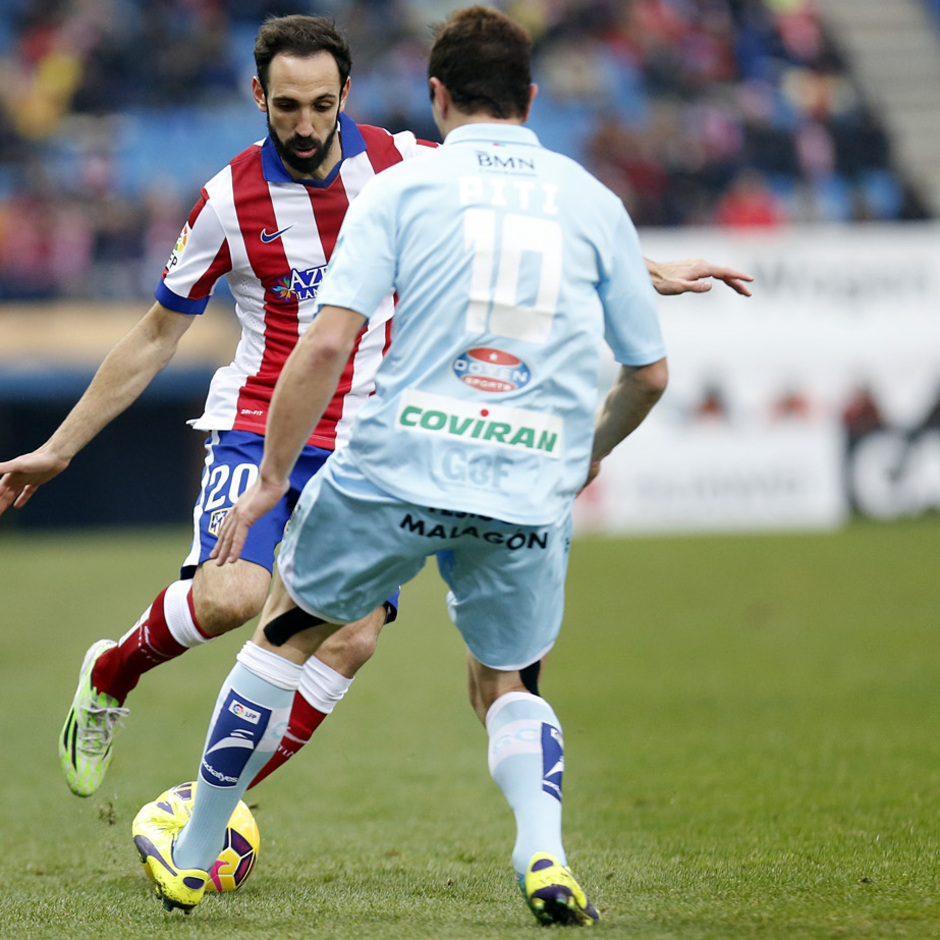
(349, 545)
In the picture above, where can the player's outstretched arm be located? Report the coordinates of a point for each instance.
(695, 275)
(125, 372)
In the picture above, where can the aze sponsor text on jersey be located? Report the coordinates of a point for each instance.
(300, 285)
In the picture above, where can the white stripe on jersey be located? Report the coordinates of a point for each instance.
(222, 400)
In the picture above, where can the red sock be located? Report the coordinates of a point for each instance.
(148, 644)
(304, 720)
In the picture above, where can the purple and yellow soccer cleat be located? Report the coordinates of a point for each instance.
(553, 895)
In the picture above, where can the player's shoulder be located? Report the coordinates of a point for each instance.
(241, 162)
(404, 144)
(252, 152)
(581, 188)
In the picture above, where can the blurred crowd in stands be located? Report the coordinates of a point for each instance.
(696, 112)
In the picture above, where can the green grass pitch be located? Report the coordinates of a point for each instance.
(752, 731)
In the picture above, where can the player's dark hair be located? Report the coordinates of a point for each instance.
(300, 35)
(484, 60)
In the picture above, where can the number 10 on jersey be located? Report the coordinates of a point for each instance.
(497, 305)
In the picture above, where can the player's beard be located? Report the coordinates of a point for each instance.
(287, 152)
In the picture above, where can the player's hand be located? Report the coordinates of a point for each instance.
(694, 275)
(259, 498)
(22, 476)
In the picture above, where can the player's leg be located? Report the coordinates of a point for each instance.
(325, 679)
(328, 675)
(186, 614)
(246, 728)
(200, 605)
(173, 623)
(207, 601)
(210, 601)
(249, 719)
(526, 745)
(250, 713)
(526, 760)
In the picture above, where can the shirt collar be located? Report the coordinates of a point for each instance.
(492, 134)
(351, 142)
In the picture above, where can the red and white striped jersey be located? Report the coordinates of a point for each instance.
(272, 236)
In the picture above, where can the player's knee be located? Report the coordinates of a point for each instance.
(225, 598)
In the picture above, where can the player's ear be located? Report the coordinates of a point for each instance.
(343, 94)
(257, 92)
(439, 96)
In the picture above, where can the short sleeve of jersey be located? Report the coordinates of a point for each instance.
(631, 324)
(410, 146)
(199, 258)
(362, 269)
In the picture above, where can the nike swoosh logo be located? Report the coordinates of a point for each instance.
(267, 239)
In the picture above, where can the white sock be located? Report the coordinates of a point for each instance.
(250, 717)
(178, 616)
(322, 686)
(526, 759)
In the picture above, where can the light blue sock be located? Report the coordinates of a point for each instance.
(526, 758)
(249, 720)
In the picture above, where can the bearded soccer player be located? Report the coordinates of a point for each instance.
(268, 222)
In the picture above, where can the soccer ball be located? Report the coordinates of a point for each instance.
(242, 838)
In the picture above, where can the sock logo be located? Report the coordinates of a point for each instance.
(236, 733)
(241, 710)
(553, 760)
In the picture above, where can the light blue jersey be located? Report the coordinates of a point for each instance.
(512, 265)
